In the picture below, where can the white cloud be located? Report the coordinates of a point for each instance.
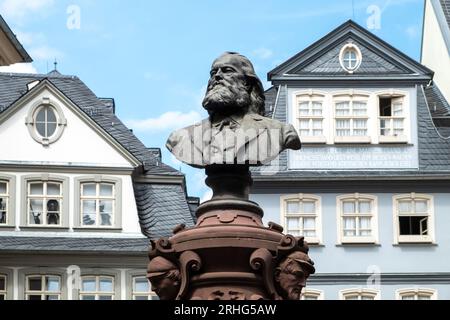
(45, 52)
(30, 38)
(167, 121)
(19, 68)
(18, 9)
(263, 53)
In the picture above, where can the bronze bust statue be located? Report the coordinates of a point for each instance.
(236, 131)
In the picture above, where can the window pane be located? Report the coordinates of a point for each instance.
(89, 206)
(89, 189)
(293, 207)
(53, 212)
(53, 189)
(398, 109)
(365, 207)
(106, 285)
(349, 207)
(36, 189)
(141, 285)
(52, 297)
(421, 206)
(359, 108)
(3, 188)
(35, 297)
(293, 223)
(413, 225)
(40, 117)
(88, 285)
(422, 296)
(349, 227)
(52, 284)
(87, 297)
(309, 207)
(140, 298)
(303, 108)
(36, 209)
(404, 206)
(35, 283)
(304, 124)
(317, 124)
(366, 297)
(2, 297)
(408, 297)
(342, 108)
(106, 190)
(51, 128)
(317, 108)
(50, 115)
(2, 284)
(106, 208)
(40, 127)
(105, 298)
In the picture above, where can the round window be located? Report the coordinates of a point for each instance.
(350, 58)
(46, 121)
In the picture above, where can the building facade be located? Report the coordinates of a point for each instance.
(370, 188)
(80, 195)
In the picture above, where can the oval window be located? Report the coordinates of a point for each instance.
(350, 58)
(46, 121)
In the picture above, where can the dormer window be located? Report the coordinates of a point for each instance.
(350, 57)
(45, 121)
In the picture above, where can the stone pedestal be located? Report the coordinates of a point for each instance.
(229, 254)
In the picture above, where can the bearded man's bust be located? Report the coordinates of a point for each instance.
(236, 131)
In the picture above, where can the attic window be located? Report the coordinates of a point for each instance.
(350, 57)
(45, 122)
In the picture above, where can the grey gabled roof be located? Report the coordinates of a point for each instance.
(437, 103)
(319, 61)
(271, 97)
(161, 208)
(14, 86)
(12, 37)
(128, 246)
(166, 204)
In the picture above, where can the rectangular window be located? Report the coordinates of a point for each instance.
(360, 294)
(43, 287)
(357, 218)
(351, 119)
(392, 119)
(301, 217)
(4, 201)
(44, 203)
(310, 117)
(3, 286)
(413, 218)
(416, 294)
(97, 204)
(97, 288)
(142, 289)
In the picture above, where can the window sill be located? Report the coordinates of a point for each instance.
(7, 227)
(392, 139)
(313, 140)
(46, 228)
(365, 140)
(358, 242)
(97, 229)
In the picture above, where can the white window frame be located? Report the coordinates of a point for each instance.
(351, 97)
(342, 239)
(61, 121)
(317, 294)
(42, 292)
(310, 97)
(360, 292)
(399, 239)
(432, 293)
(150, 295)
(45, 197)
(394, 94)
(317, 240)
(98, 198)
(346, 48)
(97, 293)
(7, 197)
(4, 292)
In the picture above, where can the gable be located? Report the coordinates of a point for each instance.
(322, 61)
(11, 51)
(81, 143)
(329, 62)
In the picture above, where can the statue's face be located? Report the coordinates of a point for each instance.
(165, 288)
(292, 281)
(227, 88)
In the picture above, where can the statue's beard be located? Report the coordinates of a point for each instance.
(225, 98)
(294, 293)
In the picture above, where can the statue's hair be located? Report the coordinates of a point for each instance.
(257, 96)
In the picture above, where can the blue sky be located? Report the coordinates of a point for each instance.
(154, 57)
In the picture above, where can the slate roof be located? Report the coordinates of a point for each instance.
(446, 8)
(12, 37)
(271, 96)
(129, 246)
(169, 204)
(439, 107)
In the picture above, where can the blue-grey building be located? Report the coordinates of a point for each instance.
(370, 188)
